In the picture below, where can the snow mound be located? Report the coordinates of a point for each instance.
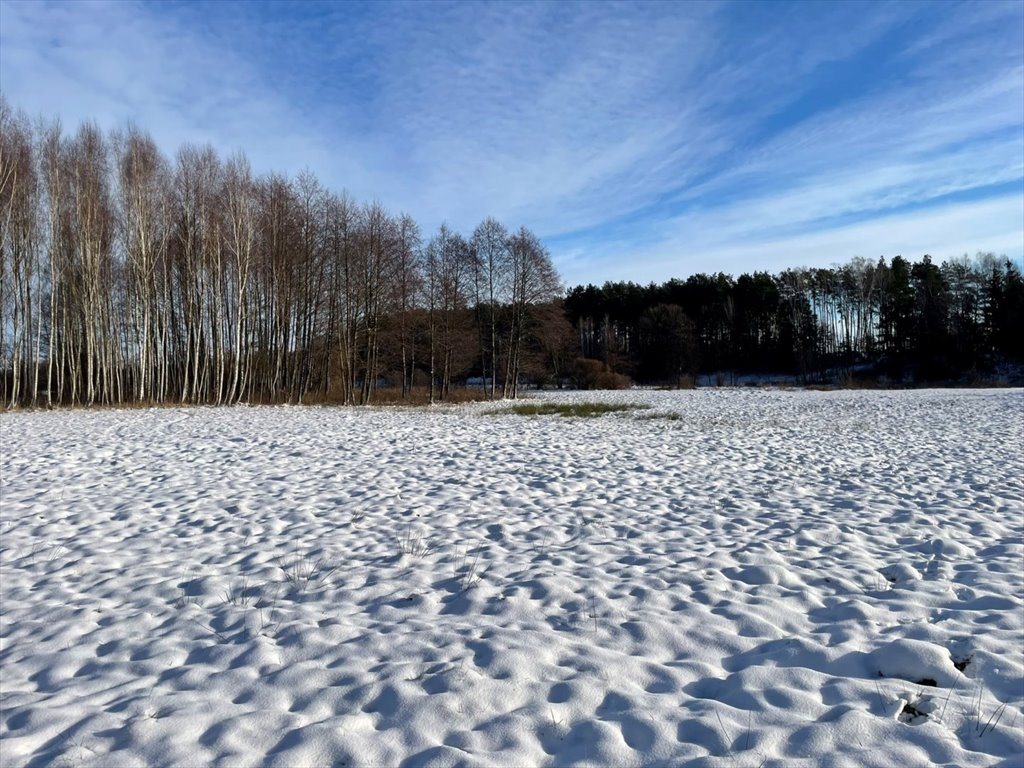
(947, 548)
(915, 660)
(760, 575)
(900, 572)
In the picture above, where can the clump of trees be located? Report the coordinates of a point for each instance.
(902, 321)
(126, 276)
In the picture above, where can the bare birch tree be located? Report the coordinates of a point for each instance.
(492, 263)
(534, 280)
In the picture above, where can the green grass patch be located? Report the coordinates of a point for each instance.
(660, 417)
(574, 410)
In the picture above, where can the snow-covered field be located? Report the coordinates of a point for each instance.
(728, 578)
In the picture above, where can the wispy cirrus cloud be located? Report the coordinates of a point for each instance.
(676, 136)
(116, 62)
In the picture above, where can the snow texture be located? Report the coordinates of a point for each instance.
(725, 578)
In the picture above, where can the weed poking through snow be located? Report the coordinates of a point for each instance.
(306, 574)
(414, 545)
(467, 568)
(977, 719)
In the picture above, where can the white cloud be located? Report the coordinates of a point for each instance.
(647, 121)
(115, 62)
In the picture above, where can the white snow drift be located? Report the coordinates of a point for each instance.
(724, 578)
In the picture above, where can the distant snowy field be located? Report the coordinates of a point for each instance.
(728, 578)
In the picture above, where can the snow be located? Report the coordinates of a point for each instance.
(915, 660)
(725, 578)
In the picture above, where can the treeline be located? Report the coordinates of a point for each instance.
(131, 277)
(127, 276)
(890, 320)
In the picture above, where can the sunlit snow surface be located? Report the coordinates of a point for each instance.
(734, 578)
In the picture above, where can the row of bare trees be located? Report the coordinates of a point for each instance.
(129, 277)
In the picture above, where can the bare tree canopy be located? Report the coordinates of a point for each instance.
(128, 277)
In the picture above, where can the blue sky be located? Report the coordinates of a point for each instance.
(640, 141)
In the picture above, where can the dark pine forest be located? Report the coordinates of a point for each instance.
(886, 321)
